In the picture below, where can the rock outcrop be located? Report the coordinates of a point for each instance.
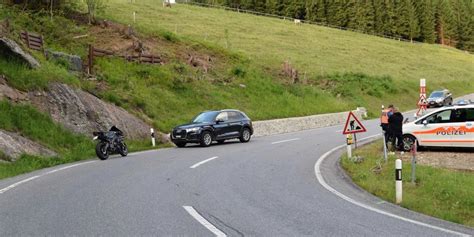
(11, 48)
(14, 145)
(9, 93)
(74, 62)
(84, 113)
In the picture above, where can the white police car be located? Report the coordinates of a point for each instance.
(451, 126)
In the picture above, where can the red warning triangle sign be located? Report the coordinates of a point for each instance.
(422, 100)
(353, 125)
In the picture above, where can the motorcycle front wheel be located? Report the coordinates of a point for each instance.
(123, 149)
(101, 151)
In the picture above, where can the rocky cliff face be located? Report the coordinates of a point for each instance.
(14, 145)
(82, 112)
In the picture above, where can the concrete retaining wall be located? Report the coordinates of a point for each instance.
(278, 126)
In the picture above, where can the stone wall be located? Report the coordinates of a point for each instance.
(278, 126)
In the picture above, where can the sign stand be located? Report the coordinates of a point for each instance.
(422, 103)
(353, 126)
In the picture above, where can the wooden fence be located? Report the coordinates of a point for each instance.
(33, 41)
(141, 58)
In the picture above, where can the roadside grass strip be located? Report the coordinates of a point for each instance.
(320, 178)
(438, 192)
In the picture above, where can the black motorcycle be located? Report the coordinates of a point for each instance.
(110, 142)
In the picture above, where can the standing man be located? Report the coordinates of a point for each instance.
(386, 113)
(395, 122)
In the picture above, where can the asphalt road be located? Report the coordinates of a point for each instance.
(266, 187)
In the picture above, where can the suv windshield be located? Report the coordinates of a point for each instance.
(205, 117)
(436, 94)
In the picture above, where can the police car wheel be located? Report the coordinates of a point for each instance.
(408, 142)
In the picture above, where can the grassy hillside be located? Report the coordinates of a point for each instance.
(315, 49)
(318, 51)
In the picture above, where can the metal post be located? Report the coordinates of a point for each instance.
(413, 163)
(355, 140)
(152, 131)
(398, 181)
(384, 147)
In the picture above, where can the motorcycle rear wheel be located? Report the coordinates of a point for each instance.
(101, 151)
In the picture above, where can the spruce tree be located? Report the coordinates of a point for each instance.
(426, 21)
(445, 25)
(389, 19)
(316, 11)
(407, 22)
(463, 24)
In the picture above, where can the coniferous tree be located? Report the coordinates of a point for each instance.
(389, 19)
(336, 14)
(426, 21)
(316, 11)
(407, 22)
(361, 15)
(444, 18)
(379, 12)
(463, 23)
(296, 9)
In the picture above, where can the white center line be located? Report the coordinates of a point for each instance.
(289, 140)
(203, 221)
(202, 162)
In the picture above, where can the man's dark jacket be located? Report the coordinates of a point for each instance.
(395, 123)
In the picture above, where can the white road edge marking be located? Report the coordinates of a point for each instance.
(38, 176)
(202, 162)
(289, 140)
(338, 131)
(18, 183)
(321, 180)
(204, 222)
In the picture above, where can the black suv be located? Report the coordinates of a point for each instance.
(211, 126)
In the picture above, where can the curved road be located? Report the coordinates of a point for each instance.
(266, 187)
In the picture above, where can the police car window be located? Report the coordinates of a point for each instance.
(222, 116)
(441, 117)
(470, 114)
(459, 115)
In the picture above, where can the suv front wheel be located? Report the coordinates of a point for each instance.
(206, 139)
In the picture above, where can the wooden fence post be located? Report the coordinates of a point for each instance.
(27, 39)
(91, 58)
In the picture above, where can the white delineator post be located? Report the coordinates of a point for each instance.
(134, 17)
(152, 132)
(349, 146)
(398, 181)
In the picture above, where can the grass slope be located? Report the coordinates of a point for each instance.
(313, 49)
(438, 192)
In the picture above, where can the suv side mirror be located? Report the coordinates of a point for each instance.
(425, 122)
(219, 120)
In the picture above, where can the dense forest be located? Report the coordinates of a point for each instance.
(447, 22)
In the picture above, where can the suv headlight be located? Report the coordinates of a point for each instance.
(188, 130)
(439, 100)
